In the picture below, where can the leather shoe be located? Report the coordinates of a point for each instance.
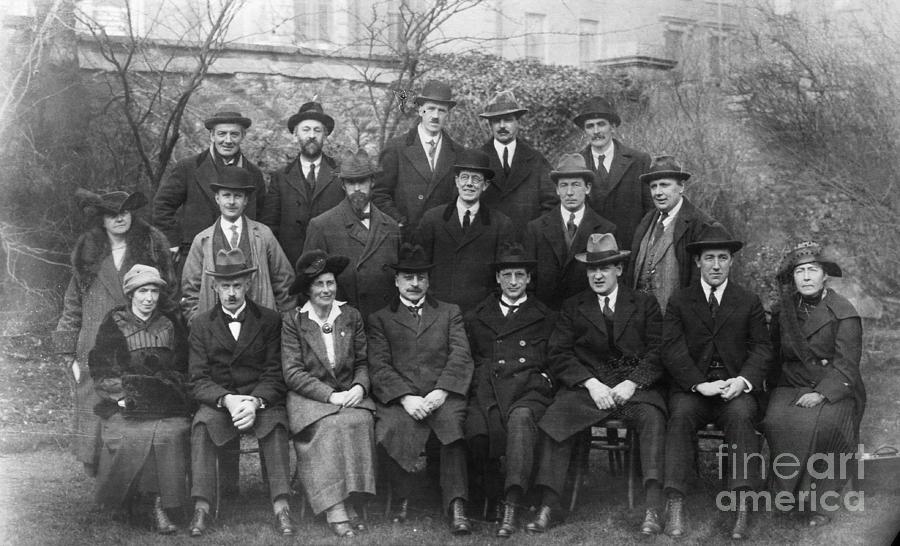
(358, 524)
(283, 522)
(199, 522)
(343, 529)
(402, 511)
(164, 525)
(675, 517)
(459, 523)
(741, 523)
(508, 522)
(651, 525)
(818, 520)
(544, 520)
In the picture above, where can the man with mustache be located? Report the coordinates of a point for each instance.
(618, 193)
(416, 167)
(356, 228)
(661, 263)
(307, 186)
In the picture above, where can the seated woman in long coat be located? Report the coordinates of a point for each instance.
(139, 365)
(819, 396)
(323, 350)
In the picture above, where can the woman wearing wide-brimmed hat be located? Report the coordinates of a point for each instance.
(114, 241)
(819, 396)
(330, 412)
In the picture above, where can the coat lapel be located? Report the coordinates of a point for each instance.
(378, 232)
(109, 278)
(343, 334)
(476, 229)
(415, 154)
(591, 310)
(818, 317)
(325, 178)
(727, 305)
(444, 161)
(622, 161)
(404, 317)
(625, 311)
(701, 306)
(295, 179)
(249, 330)
(552, 230)
(206, 172)
(312, 334)
(429, 314)
(221, 332)
(527, 315)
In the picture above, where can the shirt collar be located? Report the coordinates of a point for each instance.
(578, 215)
(425, 137)
(607, 151)
(226, 225)
(236, 313)
(332, 316)
(305, 163)
(517, 303)
(237, 159)
(461, 208)
(613, 298)
(499, 147)
(719, 289)
(671, 214)
(408, 303)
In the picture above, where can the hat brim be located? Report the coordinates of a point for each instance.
(830, 268)
(523, 264)
(646, 178)
(612, 117)
(515, 111)
(359, 176)
(699, 246)
(216, 187)
(488, 173)
(586, 258)
(401, 268)
(230, 274)
(324, 119)
(240, 120)
(333, 264)
(135, 201)
(418, 101)
(586, 174)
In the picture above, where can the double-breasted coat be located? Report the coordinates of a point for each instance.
(185, 204)
(628, 199)
(292, 202)
(580, 349)
(406, 186)
(416, 356)
(558, 274)
(527, 191)
(463, 260)
(367, 283)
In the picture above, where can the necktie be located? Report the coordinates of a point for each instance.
(432, 149)
(510, 309)
(467, 220)
(713, 302)
(506, 160)
(414, 309)
(658, 228)
(601, 168)
(234, 236)
(571, 228)
(607, 310)
(311, 176)
(230, 319)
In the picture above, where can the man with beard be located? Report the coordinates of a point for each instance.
(189, 188)
(356, 228)
(618, 194)
(307, 186)
(521, 188)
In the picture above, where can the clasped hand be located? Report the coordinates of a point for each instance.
(420, 407)
(728, 389)
(349, 398)
(810, 400)
(607, 398)
(242, 409)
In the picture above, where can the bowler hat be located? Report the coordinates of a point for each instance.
(230, 263)
(112, 203)
(474, 160)
(714, 235)
(664, 166)
(233, 178)
(512, 254)
(313, 263)
(597, 107)
(502, 104)
(311, 110)
(572, 166)
(356, 166)
(411, 258)
(228, 113)
(436, 91)
(804, 253)
(141, 275)
(601, 250)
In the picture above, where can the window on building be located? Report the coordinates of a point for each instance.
(534, 36)
(314, 20)
(587, 40)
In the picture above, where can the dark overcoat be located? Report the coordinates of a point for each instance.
(251, 365)
(738, 333)
(463, 260)
(511, 367)
(367, 283)
(185, 205)
(580, 349)
(406, 186)
(558, 274)
(291, 202)
(628, 199)
(527, 191)
(308, 373)
(409, 356)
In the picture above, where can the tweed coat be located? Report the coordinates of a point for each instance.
(406, 187)
(738, 333)
(307, 372)
(94, 289)
(579, 350)
(291, 203)
(527, 192)
(628, 199)
(187, 189)
(686, 229)
(407, 356)
(463, 260)
(367, 283)
(511, 367)
(251, 365)
(559, 275)
(269, 285)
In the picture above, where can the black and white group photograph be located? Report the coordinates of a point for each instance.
(404, 272)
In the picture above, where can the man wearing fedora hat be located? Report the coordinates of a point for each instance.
(185, 202)
(416, 172)
(235, 376)
(462, 237)
(604, 352)
(661, 261)
(521, 188)
(232, 229)
(618, 193)
(307, 186)
(356, 228)
(511, 387)
(555, 237)
(420, 369)
(717, 351)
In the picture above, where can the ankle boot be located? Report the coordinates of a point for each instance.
(164, 525)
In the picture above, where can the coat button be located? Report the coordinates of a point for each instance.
(521, 360)
(420, 197)
(501, 361)
(522, 343)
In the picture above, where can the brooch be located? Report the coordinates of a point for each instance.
(327, 329)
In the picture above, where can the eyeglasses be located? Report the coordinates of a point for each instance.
(476, 178)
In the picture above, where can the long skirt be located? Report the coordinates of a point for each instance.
(336, 457)
(796, 434)
(147, 456)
